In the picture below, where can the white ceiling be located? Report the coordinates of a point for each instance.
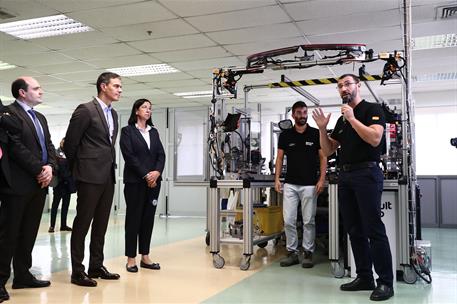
(196, 36)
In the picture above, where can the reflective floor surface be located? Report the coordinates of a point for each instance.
(188, 274)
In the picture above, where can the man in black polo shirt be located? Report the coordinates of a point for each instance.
(302, 184)
(359, 132)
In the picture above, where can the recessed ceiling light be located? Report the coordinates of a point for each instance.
(44, 27)
(6, 66)
(435, 41)
(194, 94)
(150, 69)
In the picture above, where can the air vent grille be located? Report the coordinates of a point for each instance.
(445, 12)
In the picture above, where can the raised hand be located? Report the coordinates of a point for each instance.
(320, 118)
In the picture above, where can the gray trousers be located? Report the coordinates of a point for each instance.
(292, 195)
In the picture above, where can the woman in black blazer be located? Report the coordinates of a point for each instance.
(144, 162)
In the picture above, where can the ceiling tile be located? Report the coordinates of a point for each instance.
(246, 49)
(135, 13)
(180, 83)
(80, 5)
(161, 77)
(205, 7)
(26, 10)
(193, 54)
(86, 76)
(362, 36)
(101, 52)
(239, 19)
(339, 24)
(152, 30)
(209, 64)
(17, 46)
(262, 33)
(77, 40)
(173, 43)
(320, 9)
(124, 61)
(75, 66)
(38, 59)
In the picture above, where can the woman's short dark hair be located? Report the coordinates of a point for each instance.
(136, 105)
(17, 85)
(105, 78)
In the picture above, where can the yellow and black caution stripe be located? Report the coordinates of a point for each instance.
(310, 82)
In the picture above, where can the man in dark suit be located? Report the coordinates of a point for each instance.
(32, 159)
(90, 149)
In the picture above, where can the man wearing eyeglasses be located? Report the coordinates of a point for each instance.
(359, 132)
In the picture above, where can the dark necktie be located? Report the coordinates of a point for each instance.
(39, 131)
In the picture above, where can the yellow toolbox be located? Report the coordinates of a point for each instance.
(268, 219)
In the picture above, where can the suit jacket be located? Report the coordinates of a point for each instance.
(139, 159)
(90, 153)
(25, 150)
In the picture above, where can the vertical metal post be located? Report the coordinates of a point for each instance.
(247, 217)
(333, 223)
(214, 218)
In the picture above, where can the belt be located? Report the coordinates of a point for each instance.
(357, 166)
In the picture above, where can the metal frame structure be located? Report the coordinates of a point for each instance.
(406, 184)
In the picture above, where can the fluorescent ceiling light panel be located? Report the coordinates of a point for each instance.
(433, 42)
(6, 66)
(151, 69)
(44, 27)
(194, 94)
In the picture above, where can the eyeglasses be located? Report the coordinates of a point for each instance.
(346, 84)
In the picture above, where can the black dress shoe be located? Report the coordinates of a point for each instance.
(358, 284)
(3, 294)
(133, 268)
(102, 273)
(65, 228)
(82, 279)
(154, 266)
(32, 283)
(382, 292)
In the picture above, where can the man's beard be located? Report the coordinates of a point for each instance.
(347, 98)
(301, 121)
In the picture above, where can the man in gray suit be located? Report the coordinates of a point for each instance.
(90, 150)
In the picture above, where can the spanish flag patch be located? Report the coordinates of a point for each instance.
(375, 118)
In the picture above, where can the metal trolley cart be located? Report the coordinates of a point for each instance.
(214, 216)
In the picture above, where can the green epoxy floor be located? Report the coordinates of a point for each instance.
(272, 284)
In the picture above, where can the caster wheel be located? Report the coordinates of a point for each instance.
(207, 239)
(245, 263)
(218, 261)
(263, 244)
(337, 269)
(409, 275)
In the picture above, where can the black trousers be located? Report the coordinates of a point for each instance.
(65, 197)
(93, 207)
(20, 217)
(359, 196)
(139, 218)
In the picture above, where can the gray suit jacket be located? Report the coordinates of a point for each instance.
(90, 153)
